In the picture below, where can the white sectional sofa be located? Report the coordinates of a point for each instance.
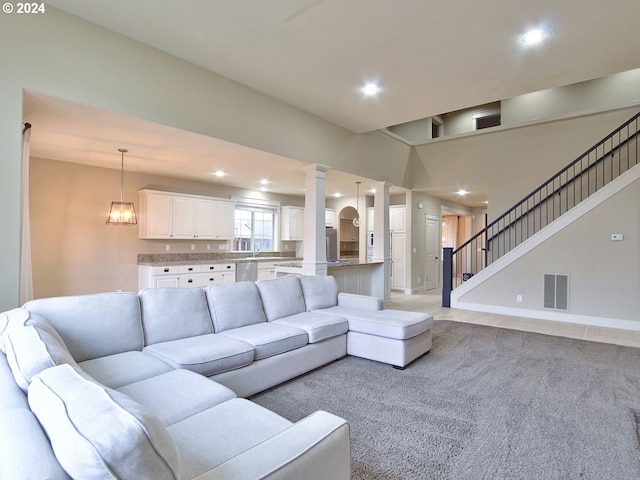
(119, 385)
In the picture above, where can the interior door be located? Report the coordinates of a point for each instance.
(432, 254)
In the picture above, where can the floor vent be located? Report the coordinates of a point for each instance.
(556, 291)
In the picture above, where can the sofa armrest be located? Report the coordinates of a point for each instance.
(364, 302)
(317, 447)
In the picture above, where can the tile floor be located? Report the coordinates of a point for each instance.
(431, 302)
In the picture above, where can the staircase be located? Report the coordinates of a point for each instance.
(598, 166)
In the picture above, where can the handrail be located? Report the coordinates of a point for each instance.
(539, 197)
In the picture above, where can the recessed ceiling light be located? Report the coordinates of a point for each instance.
(219, 173)
(462, 192)
(264, 181)
(370, 89)
(373, 190)
(532, 37)
(337, 195)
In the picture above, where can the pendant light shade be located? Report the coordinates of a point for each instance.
(122, 213)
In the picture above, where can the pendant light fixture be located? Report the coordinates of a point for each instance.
(356, 221)
(122, 213)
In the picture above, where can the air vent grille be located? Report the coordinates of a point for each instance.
(556, 291)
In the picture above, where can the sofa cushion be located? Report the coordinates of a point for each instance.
(281, 297)
(269, 339)
(32, 349)
(226, 430)
(205, 354)
(8, 319)
(100, 433)
(318, 326)
(94, 325)
(124, 368)
(178, 394)
(397, 324)
(234, 305)
(173, 313)
(319, 291)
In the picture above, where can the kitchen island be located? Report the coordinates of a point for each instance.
(363, 278)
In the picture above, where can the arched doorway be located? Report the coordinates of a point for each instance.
(348, 234)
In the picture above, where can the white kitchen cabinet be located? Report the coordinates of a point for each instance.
(193, 218)
(168, 215)
(292, 223)
(370, 217)
(156, 215)
(397, 218)
(329, 217)
(185, 276)
(224, 219)
(266, 270)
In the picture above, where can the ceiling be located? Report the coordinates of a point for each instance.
(429, 57)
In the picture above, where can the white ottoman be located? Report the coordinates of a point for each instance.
(395, 337)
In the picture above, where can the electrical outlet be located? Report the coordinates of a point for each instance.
(167, 248)
(193, 247)
(519, 298)
(418, 280)
(208, 246)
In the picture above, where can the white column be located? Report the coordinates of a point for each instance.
(381, 241)
(314, 250)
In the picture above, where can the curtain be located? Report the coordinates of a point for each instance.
(450, 231)
(26, 278)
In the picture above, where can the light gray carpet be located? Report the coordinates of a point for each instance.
(486, 403)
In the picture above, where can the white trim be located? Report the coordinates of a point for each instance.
(552, 315)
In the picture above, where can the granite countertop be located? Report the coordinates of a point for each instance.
(172, 259)
(343, 264)
(352, 263)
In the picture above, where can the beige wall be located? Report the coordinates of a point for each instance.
(75, 252)
(604, 279)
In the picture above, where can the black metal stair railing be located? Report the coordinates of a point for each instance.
(602, 163)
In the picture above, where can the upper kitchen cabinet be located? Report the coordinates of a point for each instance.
(292, 223)
(166, 215)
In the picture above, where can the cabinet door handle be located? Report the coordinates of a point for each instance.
(166, 270)
(190, 280)
(190, 269)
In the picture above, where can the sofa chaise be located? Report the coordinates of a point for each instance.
(153, 385)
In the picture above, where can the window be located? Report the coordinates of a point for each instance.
(254, 228)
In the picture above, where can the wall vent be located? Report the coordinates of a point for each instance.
(556, 291)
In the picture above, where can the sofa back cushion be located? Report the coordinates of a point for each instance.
(319, 291)
(93, 325)
(281, 297)
(32, 349)
(96, 432)
(234, 305)
(174, 313)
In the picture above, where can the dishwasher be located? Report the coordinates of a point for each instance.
(247, 271)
